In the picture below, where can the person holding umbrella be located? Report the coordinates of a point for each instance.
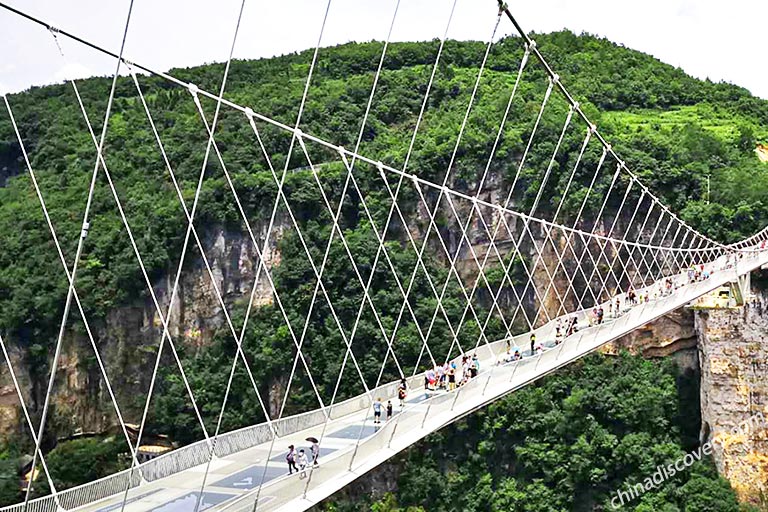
(314, 450)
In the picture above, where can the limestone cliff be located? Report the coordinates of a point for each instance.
(729, 349)
(670, 335)
(733, 350)
(128, 340)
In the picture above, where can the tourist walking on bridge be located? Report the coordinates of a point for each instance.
(572, 326)
(314, 450)
(402, 391)
(377, 411)
(290, 458)
(303, 462)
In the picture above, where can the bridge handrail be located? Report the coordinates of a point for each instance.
(380, 445)
(198, 453)
(241, 439)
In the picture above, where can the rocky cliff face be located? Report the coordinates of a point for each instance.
(729, 348)
(671, 335)
(129, 337)
(733, 349)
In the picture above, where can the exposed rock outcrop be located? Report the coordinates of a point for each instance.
(670, 335)
(733, 348)
(128, 340)
(729, 347)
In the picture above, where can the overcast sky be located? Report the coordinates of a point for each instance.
(707, 38)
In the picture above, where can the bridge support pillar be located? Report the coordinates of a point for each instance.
(741, 288)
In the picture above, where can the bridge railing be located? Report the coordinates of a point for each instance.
(413, 421)
(198, 453)
(410, 418)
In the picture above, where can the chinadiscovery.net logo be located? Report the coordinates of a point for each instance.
(665, 472)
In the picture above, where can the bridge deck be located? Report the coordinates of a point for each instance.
(234, 479)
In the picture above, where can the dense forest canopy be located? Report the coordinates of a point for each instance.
(674, 131)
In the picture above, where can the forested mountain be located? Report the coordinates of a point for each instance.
(673, 131)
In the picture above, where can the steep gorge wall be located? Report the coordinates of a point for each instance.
(729, 349)
(733, 348)
(128, 340)
(671, 335)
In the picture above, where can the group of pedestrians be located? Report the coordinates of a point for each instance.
(511, 355)
(537, 347)
(377, 408)
(669, 286)
(458, 372)
(298, 461)
(598, 314)
(614, 308)
(699, 273)
(564, 328)
(633, 298)
(452, 374)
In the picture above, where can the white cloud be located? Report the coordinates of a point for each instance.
(688, 10)
(72, 71)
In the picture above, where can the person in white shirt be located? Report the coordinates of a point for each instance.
(303, 462)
